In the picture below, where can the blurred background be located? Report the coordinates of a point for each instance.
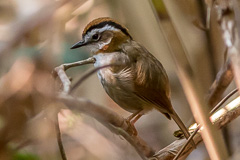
(36, 36)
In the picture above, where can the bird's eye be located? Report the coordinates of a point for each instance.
(95, 37)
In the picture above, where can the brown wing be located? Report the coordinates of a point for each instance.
(150, 78)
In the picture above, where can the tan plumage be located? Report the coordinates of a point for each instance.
(140, 83)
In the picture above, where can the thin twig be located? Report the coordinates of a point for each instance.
(84, 77)
(59, 139)
(223, 100)
(60, 72)
(66, 66)
(90, 60)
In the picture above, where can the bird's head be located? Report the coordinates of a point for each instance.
(103, 35)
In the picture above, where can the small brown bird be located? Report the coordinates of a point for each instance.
(140, 83)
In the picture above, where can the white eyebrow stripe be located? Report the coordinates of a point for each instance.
(99, 30)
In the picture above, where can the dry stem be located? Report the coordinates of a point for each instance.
(108, 118)
(221, 121)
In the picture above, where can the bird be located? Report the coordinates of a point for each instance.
(134, 79)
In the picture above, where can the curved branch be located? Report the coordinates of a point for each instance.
(59, 139)
(108, 118)
(60, 72)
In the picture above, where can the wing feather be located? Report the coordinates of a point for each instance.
(150, 79)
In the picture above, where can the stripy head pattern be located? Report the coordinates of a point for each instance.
(105, 23)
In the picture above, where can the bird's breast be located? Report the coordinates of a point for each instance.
(102, 59)
(118, 83)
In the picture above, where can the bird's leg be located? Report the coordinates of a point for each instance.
(131, 120)
(135, 119)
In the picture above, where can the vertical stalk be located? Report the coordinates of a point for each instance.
(211, 137)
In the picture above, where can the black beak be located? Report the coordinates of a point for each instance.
(79, 44)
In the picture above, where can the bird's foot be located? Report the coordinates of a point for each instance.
(178, 134)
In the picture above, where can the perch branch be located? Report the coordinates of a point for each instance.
(66, 66)
(219, 119)
(60, 72)
(107, 117)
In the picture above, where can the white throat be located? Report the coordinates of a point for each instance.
(103, 59)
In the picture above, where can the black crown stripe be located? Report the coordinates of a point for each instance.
(111, 23)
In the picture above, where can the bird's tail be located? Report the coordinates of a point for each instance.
(181, 125)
